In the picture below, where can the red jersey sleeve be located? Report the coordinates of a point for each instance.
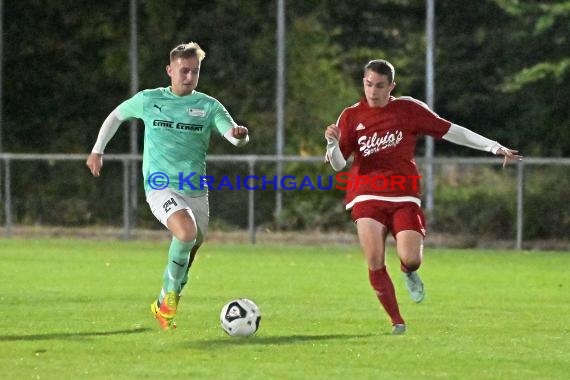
(424, 120)
(347, 141)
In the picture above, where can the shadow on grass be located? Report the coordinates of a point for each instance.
(269, 340)
(71, 335)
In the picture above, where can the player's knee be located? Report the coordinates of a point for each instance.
(411, 265)
(184, 230)
(375, 262)
(186, 235)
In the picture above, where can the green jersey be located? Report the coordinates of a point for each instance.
(177, 136)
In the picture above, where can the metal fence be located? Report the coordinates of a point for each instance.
(127, 161)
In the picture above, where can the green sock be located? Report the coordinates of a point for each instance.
(178, 256)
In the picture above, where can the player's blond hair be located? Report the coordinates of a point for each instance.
(191, 49)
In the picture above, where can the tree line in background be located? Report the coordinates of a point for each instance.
(502, 69)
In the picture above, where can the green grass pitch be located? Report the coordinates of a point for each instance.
(77, 309)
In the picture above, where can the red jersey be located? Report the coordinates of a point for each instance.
(383, 142)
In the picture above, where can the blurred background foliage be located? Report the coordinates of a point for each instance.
(502, 69)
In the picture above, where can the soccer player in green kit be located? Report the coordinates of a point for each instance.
(178, 123)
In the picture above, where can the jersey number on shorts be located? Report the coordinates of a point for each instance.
(168, 203)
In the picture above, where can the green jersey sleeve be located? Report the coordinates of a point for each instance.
(132, 107)
(222, 119)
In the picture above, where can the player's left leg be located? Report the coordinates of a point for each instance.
(409, 231)
(185, 279)
(409, 245)
(201, 212)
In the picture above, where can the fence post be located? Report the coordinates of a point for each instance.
(520, 204)
(7, 198)
(251, 203)
(126, 203)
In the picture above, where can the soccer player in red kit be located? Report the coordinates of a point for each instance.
(382, 190)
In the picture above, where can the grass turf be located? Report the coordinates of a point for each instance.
(80, 309)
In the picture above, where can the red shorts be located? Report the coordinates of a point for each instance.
(396, 216)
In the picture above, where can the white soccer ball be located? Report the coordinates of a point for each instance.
(240, 317)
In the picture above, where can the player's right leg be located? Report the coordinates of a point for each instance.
(164, 311)
(372, 235)
(183, 228)
(171, 209)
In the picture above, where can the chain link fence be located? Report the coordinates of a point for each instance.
(474, 197)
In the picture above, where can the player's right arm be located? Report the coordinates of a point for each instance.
(334, 155)
(130, 108)
(107, 131)
(340, 141)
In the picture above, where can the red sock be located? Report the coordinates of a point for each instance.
(384, 288)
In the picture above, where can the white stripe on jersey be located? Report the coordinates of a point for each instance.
(362, 198)
(352, 106)
(414, 100)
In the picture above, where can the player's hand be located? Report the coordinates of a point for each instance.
(95, 163)
(239, 132)
(509, 154)
(332, 133)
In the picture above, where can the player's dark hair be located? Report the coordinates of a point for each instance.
(382, 67)
(191, 49)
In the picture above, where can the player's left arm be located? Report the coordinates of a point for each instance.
(428, 122)
(463, 136)
(238, 135)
